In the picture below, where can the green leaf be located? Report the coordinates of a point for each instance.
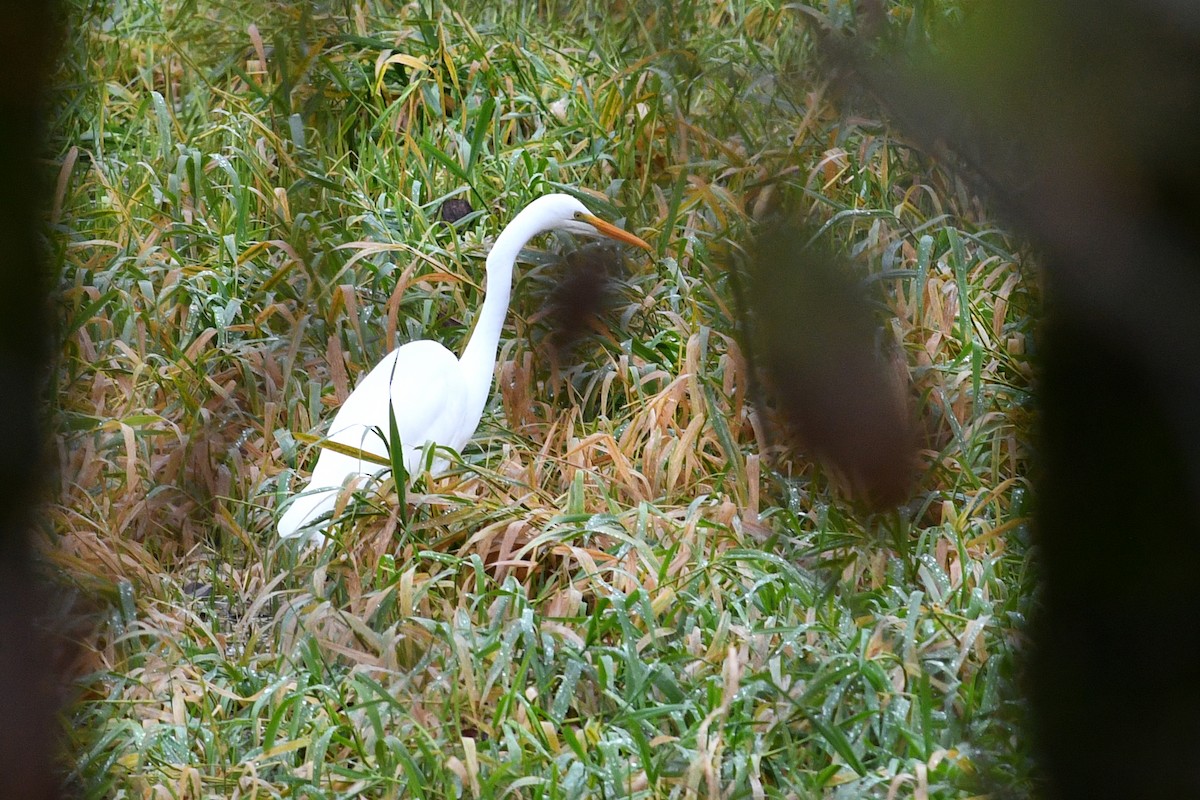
(483, 123)
(396, 453)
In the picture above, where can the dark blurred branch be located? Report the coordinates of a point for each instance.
(28, 688)
(1081, 120)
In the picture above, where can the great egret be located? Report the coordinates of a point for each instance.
(437, 398)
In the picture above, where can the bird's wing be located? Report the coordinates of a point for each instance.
(423, 382)
(429, 394)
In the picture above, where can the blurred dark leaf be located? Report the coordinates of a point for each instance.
(825, 365)
(584, 292)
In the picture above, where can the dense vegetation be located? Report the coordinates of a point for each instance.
(628, 588)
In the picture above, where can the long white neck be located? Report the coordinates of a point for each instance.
(479, 357)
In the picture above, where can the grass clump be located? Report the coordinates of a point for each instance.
(627, 588)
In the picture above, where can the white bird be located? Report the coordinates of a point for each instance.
(438, 399)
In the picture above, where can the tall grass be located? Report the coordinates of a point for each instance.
(626, 589)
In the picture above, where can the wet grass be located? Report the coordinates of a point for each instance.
(628, 588)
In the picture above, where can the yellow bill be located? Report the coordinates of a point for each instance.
(612, 231)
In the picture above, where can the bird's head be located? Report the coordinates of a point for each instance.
(564, 212)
